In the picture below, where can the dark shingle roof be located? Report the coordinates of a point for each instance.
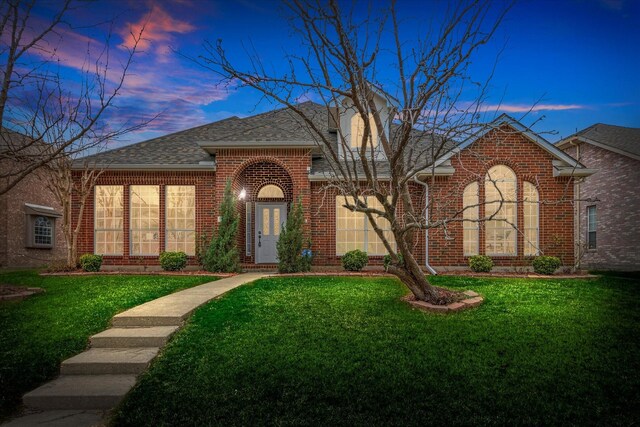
(617, 137)
(280, 127)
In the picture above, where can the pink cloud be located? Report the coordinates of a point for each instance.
(159, 29)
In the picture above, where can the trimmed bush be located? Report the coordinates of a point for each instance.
(355, 260)
(386, 261)
(173, 261)
(91, 262)
(480, 263)
(222, 255)
(546, 264)
(292, 258)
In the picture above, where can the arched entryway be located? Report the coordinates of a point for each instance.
(268, 191)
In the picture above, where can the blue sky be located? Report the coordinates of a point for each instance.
(576, 61)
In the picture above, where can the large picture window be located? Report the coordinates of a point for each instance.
(500, 198)
(353, 230)
(471, 214)
(145, 223)
(108, 220)
(181, 219)
(531, 207)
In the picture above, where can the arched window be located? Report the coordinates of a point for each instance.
(43, 231)
(531, 208)
(357, 131)
(500, 206)
(471, 214)
(270, 192)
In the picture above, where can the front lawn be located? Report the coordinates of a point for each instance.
(38, 333)
(347, 351)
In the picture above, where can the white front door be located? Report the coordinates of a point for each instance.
(269, 220)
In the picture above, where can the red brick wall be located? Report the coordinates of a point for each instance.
(288, 168)
(206, 205)
(614, 191)
(530, 163)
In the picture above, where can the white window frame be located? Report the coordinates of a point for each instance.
(97, 230)
(367, 228)
(536, 226)
(166, 219)
(132, 230)
(505, 225)
(471, 213)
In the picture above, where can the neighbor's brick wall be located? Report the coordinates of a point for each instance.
(206, 206)
(530, 163)
(13, 252)
(615, 186)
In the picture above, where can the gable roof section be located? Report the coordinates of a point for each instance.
(563, 165)
(193, 148)
(619, 139)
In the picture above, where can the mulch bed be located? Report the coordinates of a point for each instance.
(139, 273)
(458, 301)
(11, 292)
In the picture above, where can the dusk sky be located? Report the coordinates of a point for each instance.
(577, 60)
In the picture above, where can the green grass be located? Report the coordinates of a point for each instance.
(38, 333)
(347, 351)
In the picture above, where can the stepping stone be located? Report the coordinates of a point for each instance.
(80, 392)
(155, 336)
(114, 361)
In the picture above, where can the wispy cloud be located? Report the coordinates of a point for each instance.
(522, 108)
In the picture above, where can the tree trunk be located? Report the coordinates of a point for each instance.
(415, 279)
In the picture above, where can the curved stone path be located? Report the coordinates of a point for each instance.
(97, 379)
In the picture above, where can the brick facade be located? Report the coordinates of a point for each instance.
(13, 222)
(614, 191)
(530, 163)
(289, 168)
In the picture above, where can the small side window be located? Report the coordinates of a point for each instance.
(40, 232)
(591, 227)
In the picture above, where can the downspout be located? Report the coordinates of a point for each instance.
(426, 231)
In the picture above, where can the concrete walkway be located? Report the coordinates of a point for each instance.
(96, 380)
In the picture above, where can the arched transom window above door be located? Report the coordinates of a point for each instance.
(270, 191)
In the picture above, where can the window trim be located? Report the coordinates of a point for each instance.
(367, 228)
(524, 228)
(95, 230)
(166, 221)
(131, 253)
(515, 222)
(474, 225)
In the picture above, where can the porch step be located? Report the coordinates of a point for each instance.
(80, 392)
(154, 336)
(109, 361)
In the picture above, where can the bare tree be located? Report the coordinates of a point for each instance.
(50, 118)
(422, 107)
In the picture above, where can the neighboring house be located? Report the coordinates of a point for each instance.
(30, 232)
(608, 206)
(163, 194)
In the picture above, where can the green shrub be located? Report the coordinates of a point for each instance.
(292, 258)
(386, 261)
(480, 263)
(222, 255)
(90, 262)
(546, 264)
(355, 260)
(173, 261)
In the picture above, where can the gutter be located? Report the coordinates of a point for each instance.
(208, 166)
(426, 232)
